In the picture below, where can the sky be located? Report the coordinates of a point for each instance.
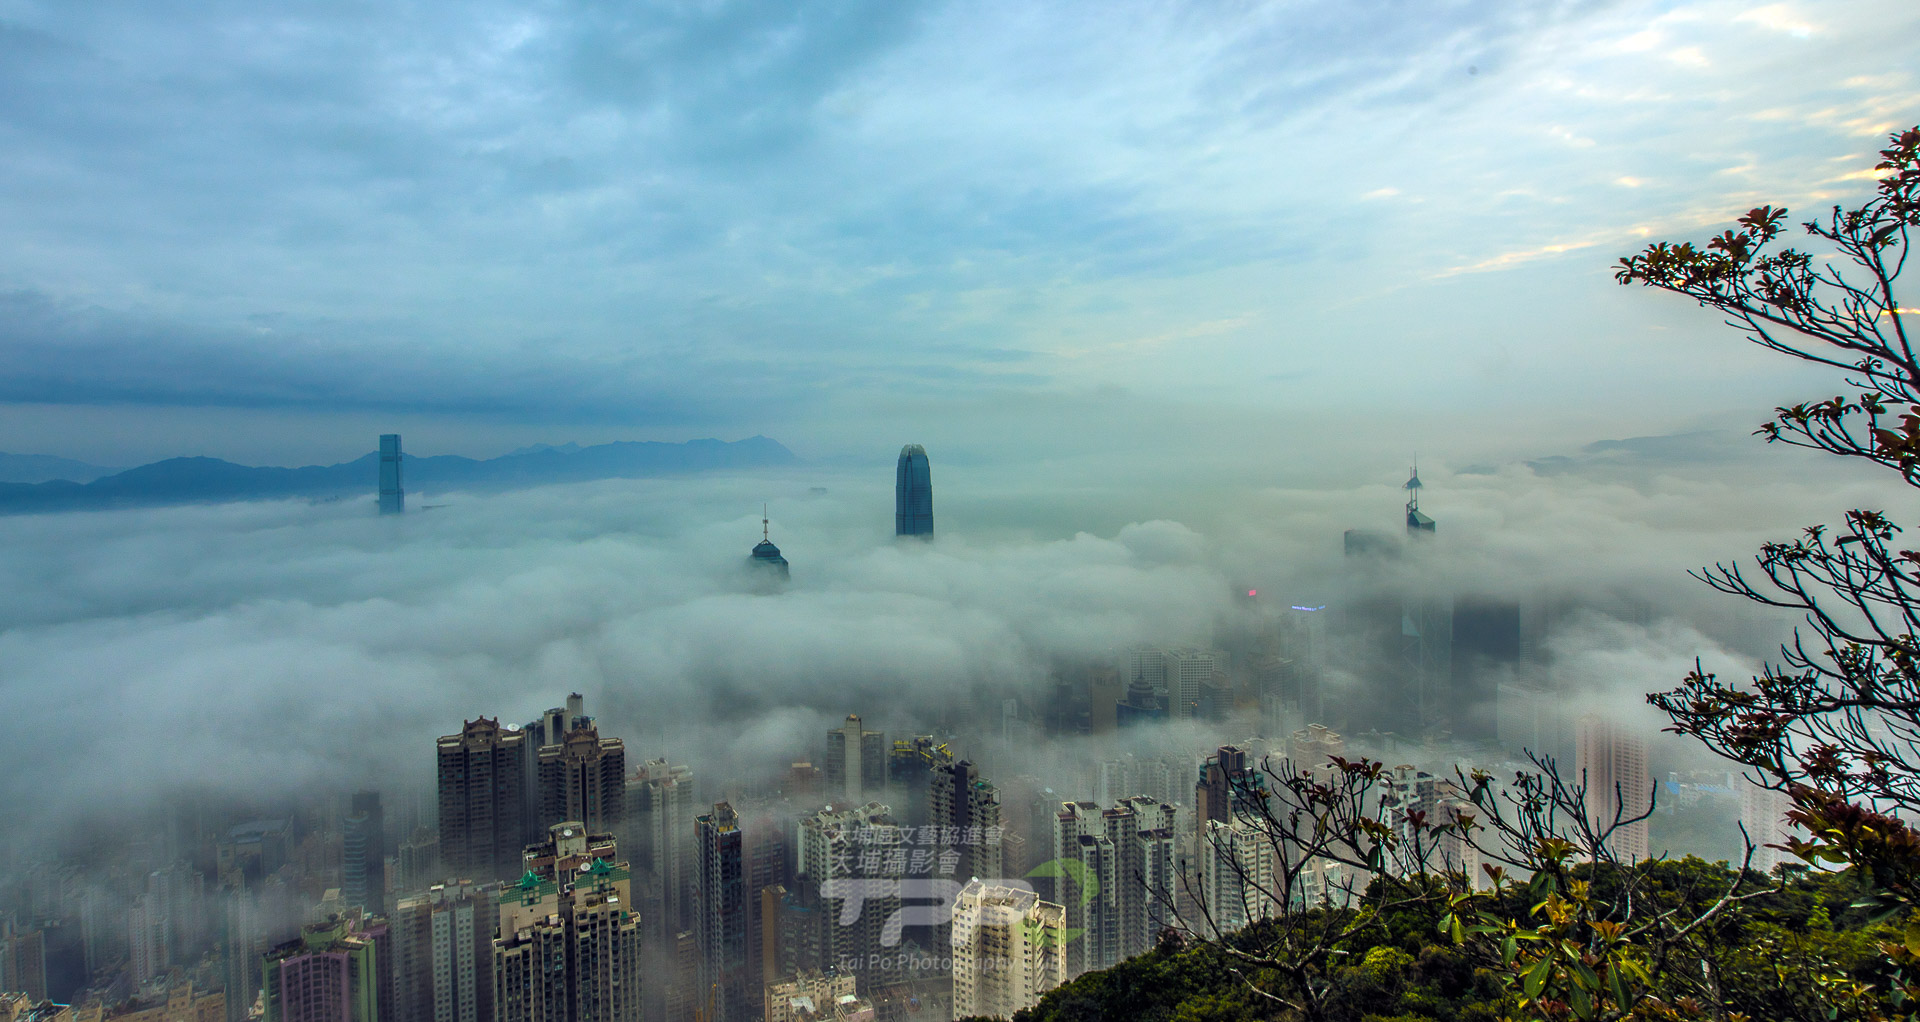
(1005, 230)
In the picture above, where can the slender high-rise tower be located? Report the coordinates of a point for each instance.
(913, 494)
(393, 499)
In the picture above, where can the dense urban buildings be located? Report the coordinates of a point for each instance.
(913, 494)
(1117, 874)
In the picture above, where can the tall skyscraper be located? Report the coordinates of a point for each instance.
(1417, 520)
(913, 494)
(726, 985)
(1612, 762)
(568, 948)
(443, 954)
(363, 866)
(393, 498)
(857, 761)
(483, 800)
(1009, 947)
(766, 557)
(584, 778)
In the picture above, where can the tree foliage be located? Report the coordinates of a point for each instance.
(1836, 721)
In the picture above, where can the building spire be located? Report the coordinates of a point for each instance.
(1417, 522)
(764, 534)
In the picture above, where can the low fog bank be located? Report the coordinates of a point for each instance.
(253, 651)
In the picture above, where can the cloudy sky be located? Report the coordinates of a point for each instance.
(268, 232)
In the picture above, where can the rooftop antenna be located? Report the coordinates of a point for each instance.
(1413, 486)
(763, 523)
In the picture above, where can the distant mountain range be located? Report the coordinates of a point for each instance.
(208, 480)
(40, 468)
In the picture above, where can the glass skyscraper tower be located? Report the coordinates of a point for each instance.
(913, 494)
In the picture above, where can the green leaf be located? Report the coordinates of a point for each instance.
(1536, 977)
(1913, 934)
(1618, 988)
(1508, 948)
(1582, 1003)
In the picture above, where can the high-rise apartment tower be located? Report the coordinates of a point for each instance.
(483, 800)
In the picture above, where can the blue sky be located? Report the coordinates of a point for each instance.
(269, 231)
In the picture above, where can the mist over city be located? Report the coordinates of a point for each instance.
(738, 512)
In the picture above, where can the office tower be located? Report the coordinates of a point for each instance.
(1125, 874)
(966, 808)
(1230, 785)
(443, 954)
(1192, 679)
(393, 498)
(660, 818)
(483, 803)
(363, 868)
(1417, 521)
(839, 850)
(1239, 873)
(857, 761)
(334, 971)
(725, 981)
(1141, 705)
(766, 557)
(1611, 761)
(913, 494)
(1486, 653)
(568, 948)
(1009, 947)
(584, 778)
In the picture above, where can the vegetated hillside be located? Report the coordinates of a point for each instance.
(1778, 957)
(205, 480)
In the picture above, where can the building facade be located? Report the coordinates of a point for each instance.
(568, 948)
(913, 494)
(483, 800)
(1009, 947)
